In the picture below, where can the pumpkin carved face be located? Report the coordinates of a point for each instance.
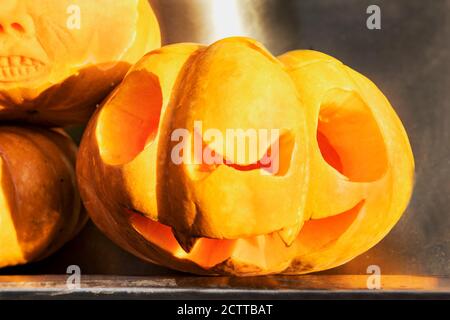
(58, 59)
(235, 216)
(40, 206)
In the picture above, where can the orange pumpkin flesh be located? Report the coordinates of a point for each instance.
(40, 205)
(343, 179)
(44, 69)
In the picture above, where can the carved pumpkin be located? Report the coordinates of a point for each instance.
(328, 201)
(59, 58)
(40, 204)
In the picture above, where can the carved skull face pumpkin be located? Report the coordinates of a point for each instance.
(59, 58)
(331, 198)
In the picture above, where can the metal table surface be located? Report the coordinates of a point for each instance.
(408, 59)
(191, 287)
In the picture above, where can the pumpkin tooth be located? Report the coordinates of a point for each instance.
(15, 61)
(186, 242)
(289, 234)
(4, 62)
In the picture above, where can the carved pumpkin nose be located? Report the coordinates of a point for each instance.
(14, 19)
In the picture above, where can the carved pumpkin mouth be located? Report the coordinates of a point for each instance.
(20, 68)
(315, 234)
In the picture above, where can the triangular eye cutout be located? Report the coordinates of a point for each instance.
(349, 138)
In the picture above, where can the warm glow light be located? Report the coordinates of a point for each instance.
(226, 20)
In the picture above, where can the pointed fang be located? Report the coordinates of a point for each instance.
(288, 235)
(185, 241)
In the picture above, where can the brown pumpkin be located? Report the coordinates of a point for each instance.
(39, 200)
(229, 218)
(58, 59)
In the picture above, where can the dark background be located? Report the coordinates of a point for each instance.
(408, 59)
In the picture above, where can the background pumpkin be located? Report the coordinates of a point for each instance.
(53, 71)
(141, 206)
(40, 205)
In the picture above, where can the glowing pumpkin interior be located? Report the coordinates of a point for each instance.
(349, 138)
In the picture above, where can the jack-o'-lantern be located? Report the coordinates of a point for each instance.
(60, 58)
(40, 205)
(160, 176)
